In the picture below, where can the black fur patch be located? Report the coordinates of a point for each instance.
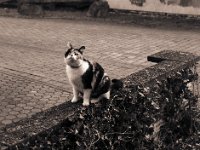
(103, 87)
(98, 72)
(68, 52)
(102, 84)
(87, 77)
(76, 51)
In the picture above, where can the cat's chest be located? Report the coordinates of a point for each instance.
(75, 74)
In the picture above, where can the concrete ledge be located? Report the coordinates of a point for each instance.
(44, 122)
(172, 56)
(169, 63)
(41, 122)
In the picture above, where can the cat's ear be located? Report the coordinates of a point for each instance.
(69, 45)
(81, 49)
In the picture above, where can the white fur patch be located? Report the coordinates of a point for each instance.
(74, 75)
(86, 97)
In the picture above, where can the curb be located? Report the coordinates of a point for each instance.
(134, 17)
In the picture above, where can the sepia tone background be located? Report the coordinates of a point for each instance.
(32, 70)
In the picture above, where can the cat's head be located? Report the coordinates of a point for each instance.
(74, 56)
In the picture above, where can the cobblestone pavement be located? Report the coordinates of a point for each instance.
(32, 71)
(21, 97)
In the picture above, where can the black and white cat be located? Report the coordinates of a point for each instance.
(87, 78)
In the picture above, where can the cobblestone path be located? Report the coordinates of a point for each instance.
(32, 71)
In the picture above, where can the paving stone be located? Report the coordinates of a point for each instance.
(10, 106)
(5, 122)
(2, 118)
(10, 117)
(51, 101)
(28, 108)
(61, 100)
(21, 105)
(48, 105)
(47, 96)
(4, 103)
(16, 119)
(21, 116)
(39, 106)
(45, 100)
(24, 111)
(17, 98)
(35, 110)
(31, 104)
(14, 112)
(3, 114)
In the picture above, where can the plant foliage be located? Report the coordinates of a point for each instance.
(162, 116)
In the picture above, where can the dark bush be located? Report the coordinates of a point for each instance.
(162, 116)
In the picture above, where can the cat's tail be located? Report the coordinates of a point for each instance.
(116, 84)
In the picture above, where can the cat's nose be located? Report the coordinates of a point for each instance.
(70, 56)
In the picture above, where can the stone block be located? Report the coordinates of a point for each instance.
(138, 2)
(99, 8)
(30, 9)
(173, 56)
(169, 62)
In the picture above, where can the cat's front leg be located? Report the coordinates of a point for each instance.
(75, 97)
(86, 97)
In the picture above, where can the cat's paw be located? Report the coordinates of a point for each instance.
(74, 100)
(86, 103)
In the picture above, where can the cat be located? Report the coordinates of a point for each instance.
(87, 78)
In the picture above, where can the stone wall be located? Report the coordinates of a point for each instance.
(169, 6)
